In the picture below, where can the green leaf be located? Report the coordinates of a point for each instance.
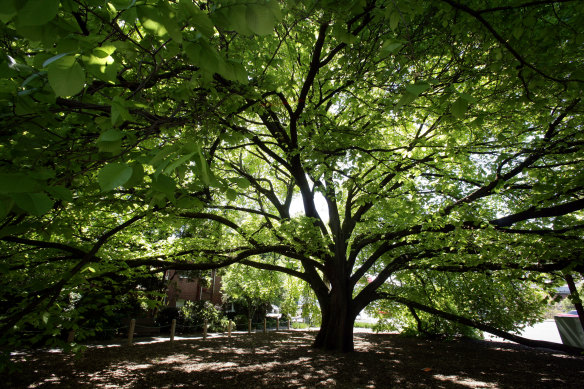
(36, 204)
(17, 183)
(468, 97)
(53, 59)
(188, 202)
(181, 161)
(113, 175)
(241, 182)
(230, 194)
(123, 4)
(137, 175)
(394, 20)
(199, 18)
(7, 10)
(405, 100)
(164, 184)
(114, 147)
(203, 167)
(66, 76)
(260, 20)
(459, 108)
(204, 56)
(390, 46)
(112, 135)
(60, 192)
(417, 88)
(37, 12)
(119, 112)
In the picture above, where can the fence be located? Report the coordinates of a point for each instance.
(133, 327)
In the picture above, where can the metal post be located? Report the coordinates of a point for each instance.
(172, 330)
(131, 331)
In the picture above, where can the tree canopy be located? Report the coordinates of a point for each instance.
(438, 141)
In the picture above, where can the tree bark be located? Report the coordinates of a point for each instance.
(575, 298)
(336, 329)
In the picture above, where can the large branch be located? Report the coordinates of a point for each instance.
(483, 327)
(477, 15)
(46, 245)
(488, 188)
(489, 266)
(534, 213)
(271, 267)
(310, 76)
(52, 292)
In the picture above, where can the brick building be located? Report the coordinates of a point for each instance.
(182, 288)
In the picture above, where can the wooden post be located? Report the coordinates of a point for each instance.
(277, 324)
(249, 327)
(71, 336)
(172, 330)
(205, 329)
(229, 329)
(265, 325)
(288, 324)
(131, 331)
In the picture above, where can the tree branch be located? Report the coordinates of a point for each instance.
(483, 327)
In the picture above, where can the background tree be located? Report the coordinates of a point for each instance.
(444, 138)
(252, 288)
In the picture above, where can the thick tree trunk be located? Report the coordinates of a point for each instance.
(336, 330)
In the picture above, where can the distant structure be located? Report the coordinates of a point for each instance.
(182, 287)
(563, 291)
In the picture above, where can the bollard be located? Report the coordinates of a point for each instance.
(265, 325)
(229, 329)
(205, 330)
(172, 330)
(277, 324)
(131, 331)
(288, 324)
(249, 327)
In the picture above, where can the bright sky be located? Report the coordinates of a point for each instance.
(297, 207)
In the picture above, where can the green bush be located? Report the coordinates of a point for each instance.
(359, 324)
(300, 325)
(194, 314)
(191, 317)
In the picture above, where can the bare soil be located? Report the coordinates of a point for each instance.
(286, 360)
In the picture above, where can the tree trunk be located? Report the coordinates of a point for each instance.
(336, 329)
(575, 298)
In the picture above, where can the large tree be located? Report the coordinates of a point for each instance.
(443, 137)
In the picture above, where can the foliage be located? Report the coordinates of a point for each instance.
(300, 325)
(332, 141)
(361, 324)
(500, 301)
(252, 288)
(194, 314)
(191, 317)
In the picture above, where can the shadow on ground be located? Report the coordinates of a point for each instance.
(285, 359)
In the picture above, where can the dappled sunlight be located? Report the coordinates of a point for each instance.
(465, 382)
(286, 359)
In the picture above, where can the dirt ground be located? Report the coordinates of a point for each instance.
(286, 360)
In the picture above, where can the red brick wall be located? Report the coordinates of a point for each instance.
(190, 289)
